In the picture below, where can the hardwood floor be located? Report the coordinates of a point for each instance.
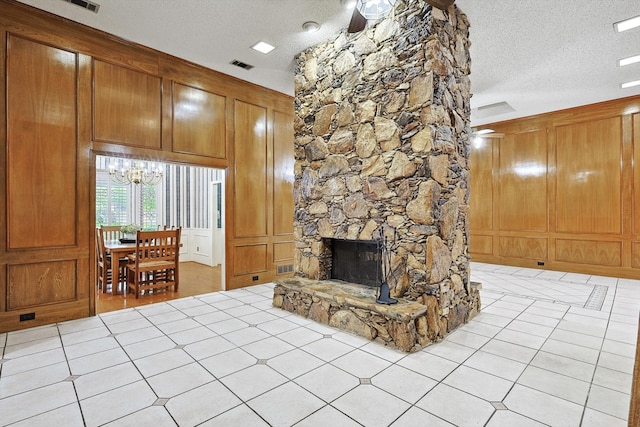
(195, 279)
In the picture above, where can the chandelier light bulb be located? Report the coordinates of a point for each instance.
(140, 173)
(375, 9)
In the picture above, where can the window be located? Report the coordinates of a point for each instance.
(111, 201)
(148, 211)
(120, 204)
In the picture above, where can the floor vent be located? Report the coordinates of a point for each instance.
(284, 269)
(597, 297)
(85, 4)
(241, 64)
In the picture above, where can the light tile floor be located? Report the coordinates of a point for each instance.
(548, 348)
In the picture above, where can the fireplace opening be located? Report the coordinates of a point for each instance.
(357, 261)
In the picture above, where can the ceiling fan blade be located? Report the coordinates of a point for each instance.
(358, 22)
(441, 4)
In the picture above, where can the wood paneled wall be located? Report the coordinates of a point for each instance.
(263, 180)
(71, 92)
(560, 191)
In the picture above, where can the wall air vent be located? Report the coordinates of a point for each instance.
(241, 64)
(85, 4)
(284, 269)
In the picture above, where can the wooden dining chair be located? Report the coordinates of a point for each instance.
(154, 265)
(112, 232)
(104, 266)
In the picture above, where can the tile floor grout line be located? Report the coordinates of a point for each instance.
(567, 311)
(215, 378)
(135, 366)
(288, 380)
(584, 407)
(600, 350)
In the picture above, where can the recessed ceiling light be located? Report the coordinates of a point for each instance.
(627, 24)
(483, 132)
(630, 84)
(311, 26)
(630, 60)
(262, 47)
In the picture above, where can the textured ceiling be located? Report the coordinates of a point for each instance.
(536, 55)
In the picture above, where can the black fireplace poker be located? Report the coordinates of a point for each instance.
(384, 294)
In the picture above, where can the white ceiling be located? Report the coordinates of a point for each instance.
(537, 55)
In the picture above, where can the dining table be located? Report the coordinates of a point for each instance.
(118, 250)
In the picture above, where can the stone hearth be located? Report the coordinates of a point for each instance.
(382, 146)
(408, 326)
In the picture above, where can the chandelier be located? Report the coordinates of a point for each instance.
(138, 172)
(375, 9)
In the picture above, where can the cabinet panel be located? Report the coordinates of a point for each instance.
(523, 181)
(41, 145)
(250, 259)
(481, 199)
(31, 285)
(523, 247)
(126, 106)
(251, 170)
(199, 122)
(589, 252)
(635, 254)
(481, 244)
(283, 251)
(283, 161)
(588, 171)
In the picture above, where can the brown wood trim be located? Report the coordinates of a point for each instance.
(634, 410)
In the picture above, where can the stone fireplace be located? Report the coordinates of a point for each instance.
(382, 147)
